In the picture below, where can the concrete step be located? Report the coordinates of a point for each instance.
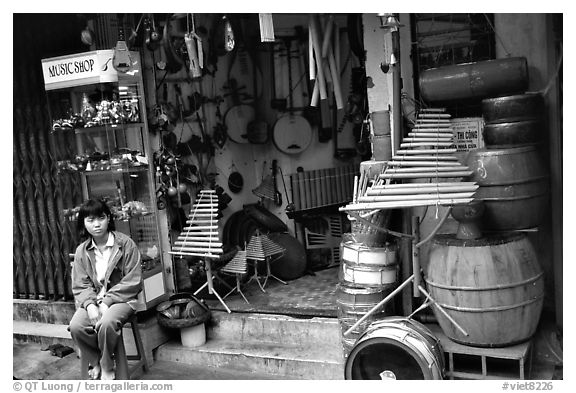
(41, 333)
(316, 331)
(45, 311)
(318, 362)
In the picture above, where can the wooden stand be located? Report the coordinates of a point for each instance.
(478, 364)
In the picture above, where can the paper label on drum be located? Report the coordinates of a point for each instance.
(467, 134)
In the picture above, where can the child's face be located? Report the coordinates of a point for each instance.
(96, 226)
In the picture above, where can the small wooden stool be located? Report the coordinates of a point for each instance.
(123, 371)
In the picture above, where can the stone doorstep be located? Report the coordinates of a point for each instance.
(274, 329)
(313, 363)
(45, 334)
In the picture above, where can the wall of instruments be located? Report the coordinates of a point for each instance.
(270, 84)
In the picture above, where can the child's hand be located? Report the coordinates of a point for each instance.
(101, 310)
(93, 313)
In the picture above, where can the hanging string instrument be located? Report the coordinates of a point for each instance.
(292, 133)
(122, 59)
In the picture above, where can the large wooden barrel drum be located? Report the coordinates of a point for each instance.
(396, 348)
(493, 287)
(513, 186)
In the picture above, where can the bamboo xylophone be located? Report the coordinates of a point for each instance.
(322, 187)
(426, 153)
(200, 237)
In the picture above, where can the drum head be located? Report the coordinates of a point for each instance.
(383, 359)
(236, 120)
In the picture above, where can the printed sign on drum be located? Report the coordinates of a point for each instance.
(468, 133)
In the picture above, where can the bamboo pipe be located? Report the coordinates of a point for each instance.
(386, 198)
(196, 238)
(187, 243)
(427, 151)
(407, 203)
(434, 116)
(425, 157)
(435, 120)
(424, 185)
(417, 175)
(378, 228)
(335, 80)
(416, 256)
(313, 25)
(337, 53)
(355, 190)
(427, 170)
(379, 305)
(199, 249)
(311, 61)
(420, 163)
(327, 35)
(314, 101)
(202, 227)
(197, 232)
(412, 191)
(416, 139)
(448, 134)
(424, 144)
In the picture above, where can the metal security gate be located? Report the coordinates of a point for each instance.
(42, 239)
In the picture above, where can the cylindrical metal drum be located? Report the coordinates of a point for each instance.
(492, 287)
(514, 134)
(363, 266)
(475, 80)
(353, 303)
(513, 185)
(396, 348)
(509, 109)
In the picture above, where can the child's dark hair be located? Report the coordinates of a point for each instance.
(94, 208)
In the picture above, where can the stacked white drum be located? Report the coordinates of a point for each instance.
(368, 273)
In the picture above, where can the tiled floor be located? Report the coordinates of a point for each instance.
(313, 294)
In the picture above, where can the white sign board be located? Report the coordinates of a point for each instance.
(79, 69)
(468, 133)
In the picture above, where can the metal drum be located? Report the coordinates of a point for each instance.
(396, 348)
(361, 275)
(513, 186)
(480, 79)
(363, 266)
(514, 108)
(357, 253)
(353, 303)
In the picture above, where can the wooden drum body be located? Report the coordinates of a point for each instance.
(493, 287)
(396, 348)
(513, 186)
(363, 266)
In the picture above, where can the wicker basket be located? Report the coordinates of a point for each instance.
(181, 301)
